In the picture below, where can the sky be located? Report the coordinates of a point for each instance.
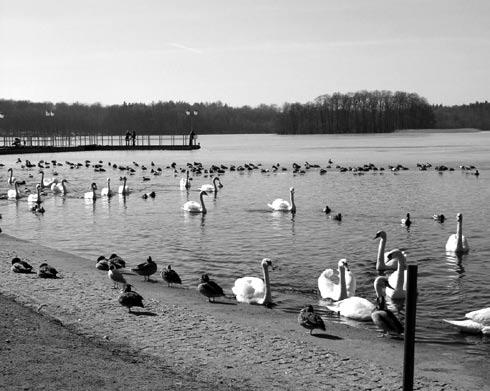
(242, 52)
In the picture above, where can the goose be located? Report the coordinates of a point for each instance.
(209, 288)
(309, 320)
(106, 191)
(14, 194)
(214, 187)
(170, 276)
(59, 187)
(185, 183)
(19, 266)
(476, 322)
(146, 269)
(382, 316)
(253, 290)
(123, 189)
(439, 217)
(196, 207)
(90, 195)
(130, 299)
(382, 262)
(397, 279)
(345, 288)
(35, 197)
(457, 243)
(102, 263)
(282, 205)
(406, 221)
(46, 271)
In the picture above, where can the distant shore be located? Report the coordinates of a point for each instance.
(460, 130)
(227, 345)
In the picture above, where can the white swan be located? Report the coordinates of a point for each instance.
(476, 322)
(397, 279)
(35, 197)
(382, 316)
(46, 183)
(282, 205)
(382, 261)
(106, 191)
(345, 288)
(11, 178)
(90, 195)
(14, 194)
(185, 183)
(253, 290)
(212, 188)
(123, 189)
(196, 207)
(457, 243)
(59, 187)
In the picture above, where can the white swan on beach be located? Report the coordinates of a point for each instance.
(185, 183)
(382, 261)
(397, 279)
(253, 290)
(196, 207)
(282, 205)
(106, 191)
(35, 197)
(346, 286)
(457, 243)
(476, 322)
(14, 194)
(212, 187)
(91, 195)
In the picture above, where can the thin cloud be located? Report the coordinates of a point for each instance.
(183, 47)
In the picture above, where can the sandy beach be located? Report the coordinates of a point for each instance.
(71, 332)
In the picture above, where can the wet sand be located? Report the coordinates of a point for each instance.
(73, 328)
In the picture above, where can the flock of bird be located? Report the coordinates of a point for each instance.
(254, 290)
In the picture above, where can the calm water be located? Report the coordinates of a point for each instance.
(239, 230)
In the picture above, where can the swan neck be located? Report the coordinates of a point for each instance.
(380, 264)
(459, 235)
(293, 205)
(203, 207)
(267, 293)
(343, 285)
(400, 273)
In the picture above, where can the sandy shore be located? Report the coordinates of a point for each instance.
(180, 341)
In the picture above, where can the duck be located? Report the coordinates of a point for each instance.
(146, 269)
(117, 261)
(337, 217)
(254, 290)
(14, 194)
(406, 221)
(439, 218)
(476, 322)
(196, 207)
(106, 191)
(59, 187)
(382, 316)
(148, 195)
(398, 279)
(327, 210)
(91, 195)
(209, 288)
(170, 276)
(345, 288)
(130, 299)
(457, 243)
(46, 271)
(123, 189)
(382, 261)
(115, 276)
(102, 263)
(19, 266)
(35, 197)
(282, 205)
(185, 183)
(212, 187)
(309, 320)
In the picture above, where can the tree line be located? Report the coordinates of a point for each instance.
(359, 112)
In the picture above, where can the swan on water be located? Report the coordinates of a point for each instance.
(309, 320)
(106, 191)
(185, 183)
(346, 286)
(123, 189)
(397, 279)
(130, 299)
(196, 207)
(11, 179)
(14, 194)
(382, 316)
(90, 195)
(35, 197)
(46, 183)
(382, 262)
(457, 243)
(476, 322)
(212, 187)
(254, 290)
(209, 288)
(59, 187)
(282, 205)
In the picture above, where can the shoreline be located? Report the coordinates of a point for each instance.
(228, 344)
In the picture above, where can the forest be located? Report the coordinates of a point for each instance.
(359, 112)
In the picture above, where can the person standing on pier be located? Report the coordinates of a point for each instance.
(128, 135)
(134, 137)
(191, 138)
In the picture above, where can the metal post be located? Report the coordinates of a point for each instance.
(411, 309)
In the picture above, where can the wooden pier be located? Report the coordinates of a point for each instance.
(41, 144)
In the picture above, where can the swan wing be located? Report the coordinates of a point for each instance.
(481, 316)
(279, 204)
(351, 283)
(452, 242)
(328, 289)
(355, 307)
(207, 188)
(249, 289)
(466, 326)
(192, 206)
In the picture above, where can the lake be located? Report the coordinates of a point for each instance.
(239, 229)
